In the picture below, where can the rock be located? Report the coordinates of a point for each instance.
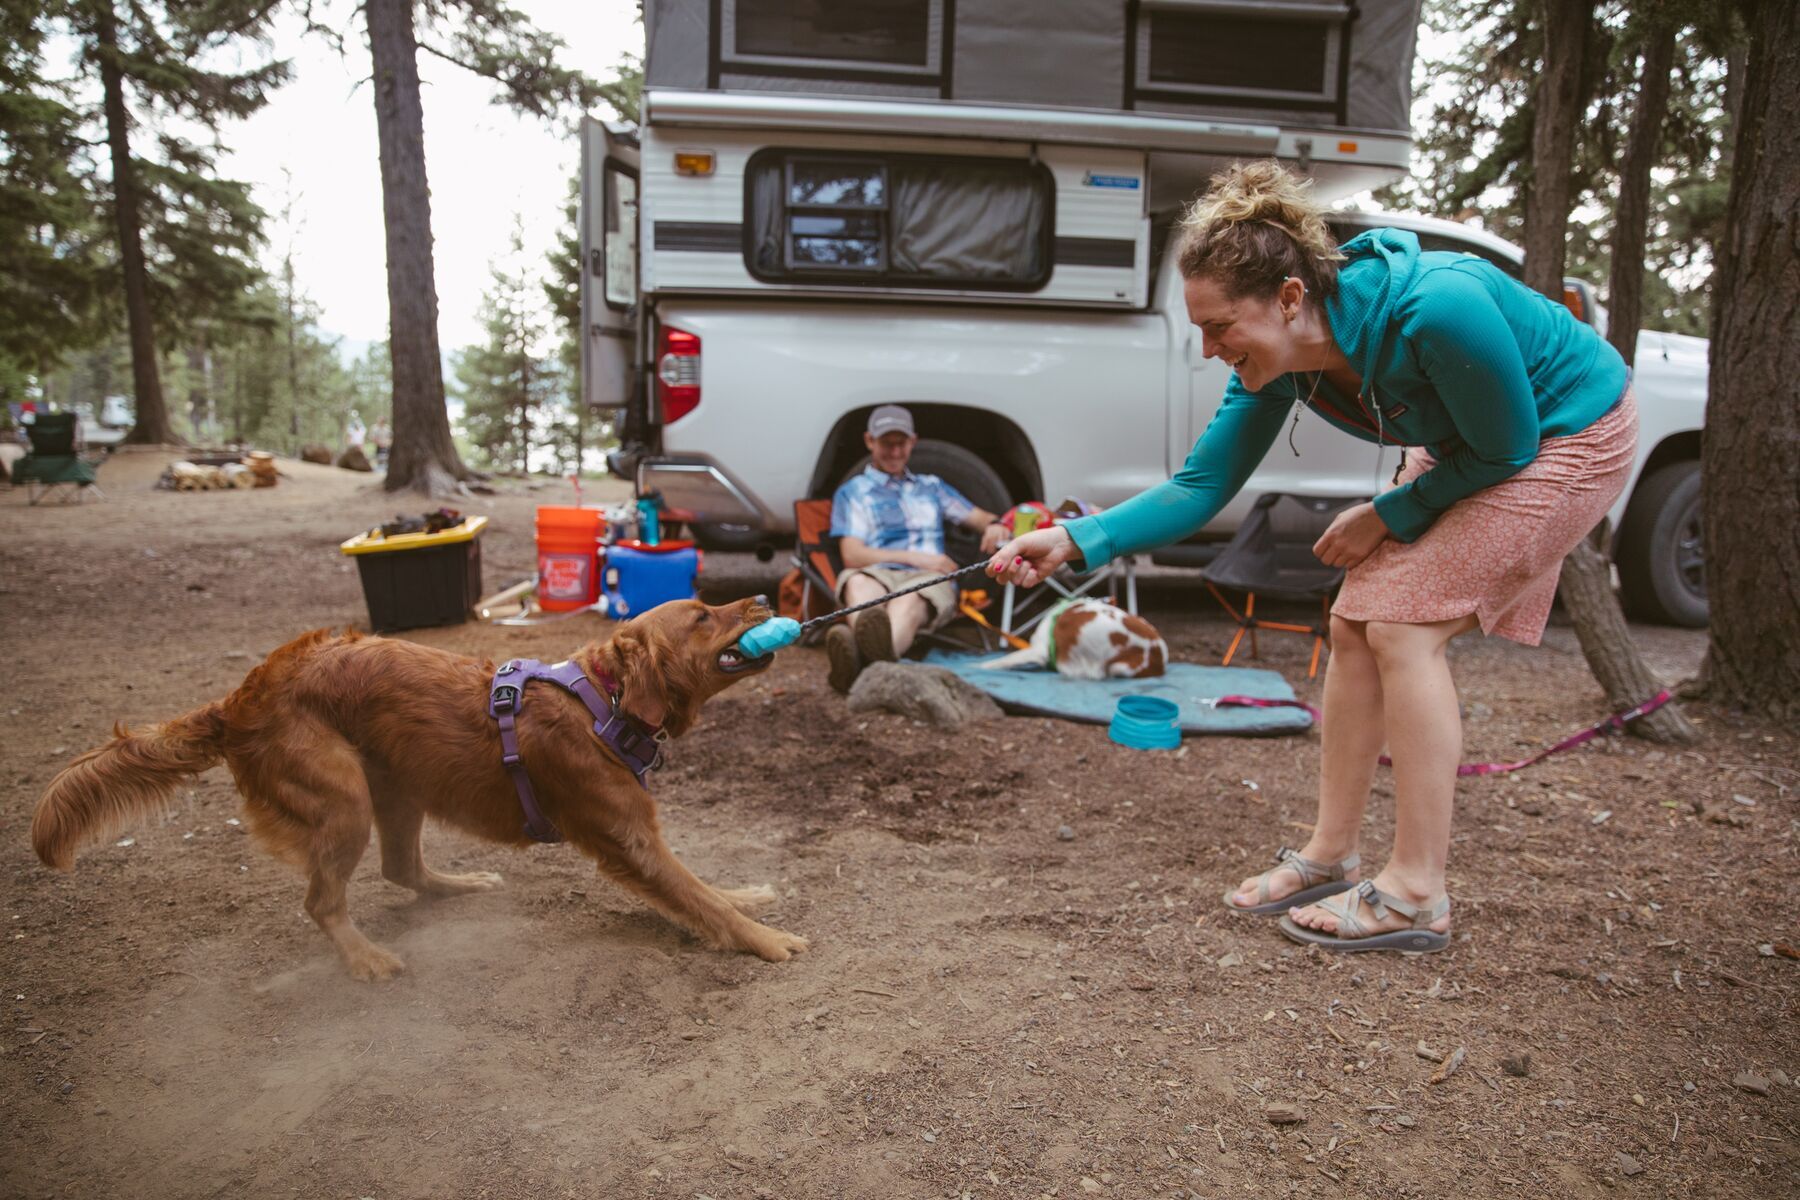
(1065, 833)
(1091, 1186)
(1280, 1113)
(1750, 1082)
(1406, 1120)
(1517, 1065)
(1627, 1164)
(929, 694)
(316, 453)
(1234, 959)
(1779, 1077)
(354, 459)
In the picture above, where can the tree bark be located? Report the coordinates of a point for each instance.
(422, 457)
(1557, 107)
(1632, 216)
(1585, 586)
(1586, 579)
(1750, 465)
(152, 425)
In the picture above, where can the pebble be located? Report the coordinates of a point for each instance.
(1280, 1113)
(1406, 1120)
(1627, 1164)
(1779, 1077)
(1065, 833)
(1517, 1065)
(1091, 1186)
(69, 1087)
(1750, 1082)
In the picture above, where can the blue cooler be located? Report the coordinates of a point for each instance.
(637, 577)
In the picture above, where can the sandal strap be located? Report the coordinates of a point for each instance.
(1380, 902)
(1349, 925)
(1311, 872)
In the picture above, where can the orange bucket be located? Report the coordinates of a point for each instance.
(568, 542)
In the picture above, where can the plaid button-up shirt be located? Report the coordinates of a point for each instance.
(907, 512)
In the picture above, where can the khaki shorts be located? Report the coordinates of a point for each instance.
(941, 598)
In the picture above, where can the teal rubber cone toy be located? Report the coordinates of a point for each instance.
(770, 636)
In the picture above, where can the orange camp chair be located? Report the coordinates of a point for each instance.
(1272, 557)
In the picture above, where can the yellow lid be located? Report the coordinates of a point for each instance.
(374, 543)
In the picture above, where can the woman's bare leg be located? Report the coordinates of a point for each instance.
(1352, 738)
(1424, 725)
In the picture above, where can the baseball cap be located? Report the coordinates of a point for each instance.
(891, 418)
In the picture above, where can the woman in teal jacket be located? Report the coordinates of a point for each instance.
(1522, 433)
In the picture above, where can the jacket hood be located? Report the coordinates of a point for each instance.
(1379, 269)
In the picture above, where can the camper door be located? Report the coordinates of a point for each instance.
(609, 262)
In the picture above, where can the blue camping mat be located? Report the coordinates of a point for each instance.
(1191, 687)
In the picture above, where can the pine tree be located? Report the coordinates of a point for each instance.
(508, 385)
(50, 261)
(1751, 467)
(184, 238)
(496, 42)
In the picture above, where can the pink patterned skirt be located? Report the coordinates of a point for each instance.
(1497, 553)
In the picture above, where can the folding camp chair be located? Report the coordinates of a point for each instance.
(1018, 616)
(816, 558)
(1272, 557)
(55, 461)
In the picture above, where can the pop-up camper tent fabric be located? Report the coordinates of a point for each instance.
(1082, 54)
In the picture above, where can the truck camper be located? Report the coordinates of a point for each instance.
(961, 206)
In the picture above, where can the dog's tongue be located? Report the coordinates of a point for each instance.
(768, 637)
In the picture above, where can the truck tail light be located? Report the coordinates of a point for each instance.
(677, 373)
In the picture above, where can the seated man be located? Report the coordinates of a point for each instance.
(889, 524)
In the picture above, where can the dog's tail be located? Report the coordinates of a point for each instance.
(127, 779)
(1034, 655)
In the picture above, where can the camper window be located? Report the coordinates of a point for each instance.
(900, 220)
(803, 37)
(1241, 52)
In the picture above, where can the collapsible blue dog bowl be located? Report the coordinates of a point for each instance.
(1146, 723)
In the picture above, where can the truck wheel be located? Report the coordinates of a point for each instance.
(1660, 556)
(963, 470)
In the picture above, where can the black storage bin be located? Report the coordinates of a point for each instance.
(413, 580)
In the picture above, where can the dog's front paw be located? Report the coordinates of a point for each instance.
(372, 964)
(776, 945)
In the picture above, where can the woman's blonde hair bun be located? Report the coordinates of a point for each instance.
(1256, 225)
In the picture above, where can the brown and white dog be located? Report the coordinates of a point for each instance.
(331, 737)
(1093, 640)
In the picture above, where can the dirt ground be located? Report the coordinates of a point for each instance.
(988, 1009)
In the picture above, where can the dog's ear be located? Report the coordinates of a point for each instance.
(635, 654)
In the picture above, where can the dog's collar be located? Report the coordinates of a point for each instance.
(636, 745)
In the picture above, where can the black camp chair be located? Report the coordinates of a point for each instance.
(55, 461)
(1272, 557)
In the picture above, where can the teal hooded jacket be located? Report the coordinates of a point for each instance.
(1454, 355)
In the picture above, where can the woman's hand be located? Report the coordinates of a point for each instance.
(1029, 560)
(1352, 537)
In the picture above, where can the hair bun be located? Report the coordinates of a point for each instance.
(1256, 224)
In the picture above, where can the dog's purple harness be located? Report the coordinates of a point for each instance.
(637, 747)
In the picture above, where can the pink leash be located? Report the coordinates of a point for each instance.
(1610, 725)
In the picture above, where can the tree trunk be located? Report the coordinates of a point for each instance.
(1632, 216)
(1750, 489)
(199, 388)
(423, 456)
(1586, 580)
(1557, 107)
(152, 413)
(1587, 593)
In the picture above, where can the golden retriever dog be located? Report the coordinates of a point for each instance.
(331, 737)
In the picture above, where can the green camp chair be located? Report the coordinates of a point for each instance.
(53, 464)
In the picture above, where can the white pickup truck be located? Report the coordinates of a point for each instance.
(1036, 404)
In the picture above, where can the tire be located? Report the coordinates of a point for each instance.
(963, 470)
(1660, 556)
